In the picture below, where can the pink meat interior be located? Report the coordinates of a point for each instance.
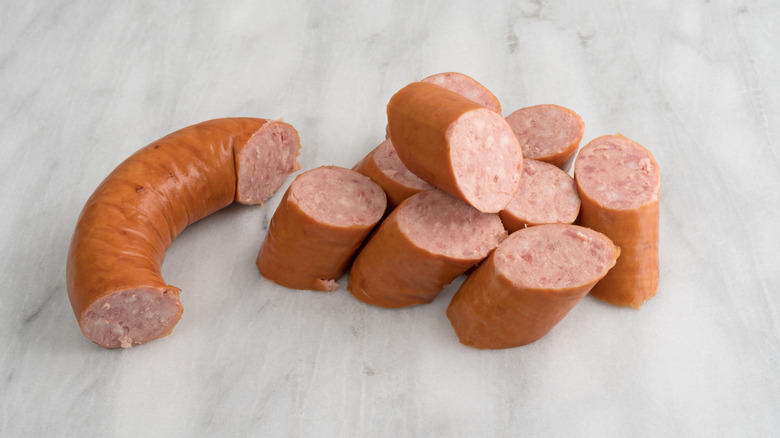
(618, 173)
(265, 162)
(486, 159)
(441, 224)
(466, 87)
(388, 162)
(554, 256)
(546, 195)
(338, 196)
(544, 130)
(131, 317)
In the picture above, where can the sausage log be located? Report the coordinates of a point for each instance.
(455, 144)
(546, 195)
(113, 266)
(384, 167)
(321, 221)
(548, 133)
(619, 185)
(528, 284)
(421, 247)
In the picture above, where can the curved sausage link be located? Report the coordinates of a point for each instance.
(113, 269)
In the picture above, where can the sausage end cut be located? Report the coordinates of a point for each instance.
(528, 284)
(457, 145)
(113, 273)
(619, 184)
(321, 221)
(421, 247)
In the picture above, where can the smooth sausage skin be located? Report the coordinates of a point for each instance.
(455, 144)
(549, 133)
(384, 167)
(619, 185)
(113, 268)
(421, 247)
(529, 284)
(321, 221)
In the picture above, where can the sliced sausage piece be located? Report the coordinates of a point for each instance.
(422, 246)
(321, 221)
(619, 184)
(113, 269)
(384, 167)
(528, 284)
(466, 87)
(546, 195)
(455, 144)
(548, 133)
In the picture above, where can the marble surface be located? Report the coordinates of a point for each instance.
(85, 83)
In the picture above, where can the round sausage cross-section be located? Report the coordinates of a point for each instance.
(384, 167)
(455, 144)
(321, 221)
(422, 246)
(619, 184)
(528, 284)
(113, 269)
(467, 87)
(546, 195)
(548, 133)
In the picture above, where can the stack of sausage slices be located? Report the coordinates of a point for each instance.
(454, 189)
(454, 186)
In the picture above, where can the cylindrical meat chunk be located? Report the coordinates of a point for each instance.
(384, 167)
(455, 144)
(467, 87)
(113, 270)
(421, 247)
(619, 184)
(548, 133)
(546, 195)
(321, 221)
(528, 284)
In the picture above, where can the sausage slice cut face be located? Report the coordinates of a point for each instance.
(384, 167)
(455, 144)
(322, 220)
(528, 284)
(619, 184)
(547, 195)
(548, 133)
(421, 247)
(113, 269)
(467, 87)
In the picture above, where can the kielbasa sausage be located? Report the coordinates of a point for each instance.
(321, 221)
(384, 167)
(421, 247)
(113, 268)
(455, 144)
(548, 133)
(619, 184)
(528, 284)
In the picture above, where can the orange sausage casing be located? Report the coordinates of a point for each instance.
(421, 247)
(529, 284)
(619, 183)
(113, 268)
(321, 221)
(455, 144)
(384, 167)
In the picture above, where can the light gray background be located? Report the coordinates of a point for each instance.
(83, 84)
